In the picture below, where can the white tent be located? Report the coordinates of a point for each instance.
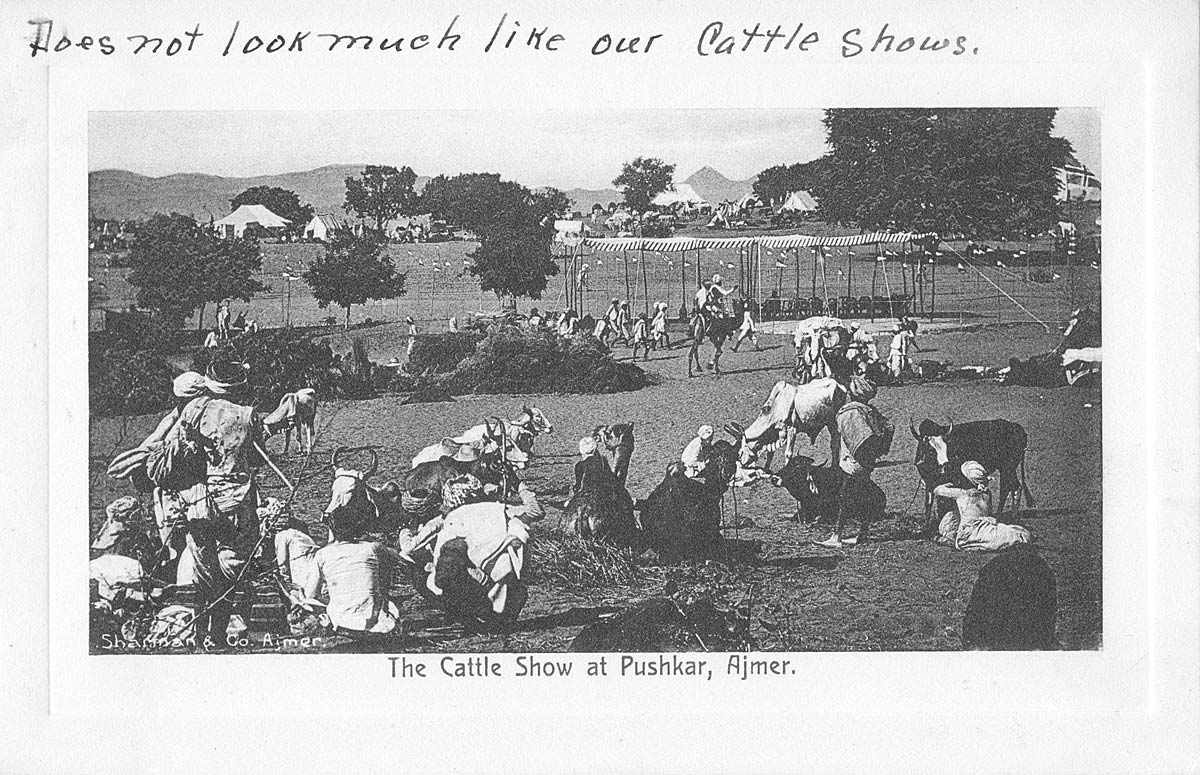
(748, 201)
(325, 226)
(680, 194)
(799, 202)
(236, 222)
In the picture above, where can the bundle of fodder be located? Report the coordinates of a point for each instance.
(667, 624)
(515, 361)
(440, 353)
(567, 561)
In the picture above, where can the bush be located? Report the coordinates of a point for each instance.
(281, 361)
(514, 361)
(441, 353)
(123, 380)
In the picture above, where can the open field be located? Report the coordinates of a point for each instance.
(895, 594)
(437, 286)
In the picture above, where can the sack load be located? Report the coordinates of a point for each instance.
(878, 442)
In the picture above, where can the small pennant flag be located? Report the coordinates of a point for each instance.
(1000, 264)
(780, 265)
(1095, 265)
(1057, 276)
(730, 266)
(962, 268)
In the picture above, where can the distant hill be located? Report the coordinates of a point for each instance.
(716, 188)
(121, 195)
(126, 195)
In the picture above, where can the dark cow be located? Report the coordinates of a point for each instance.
(378, 508)
(1046, 369)
(615, 445)
(998, 445)
(682, 517)
(600, 507)
(815, 489)
(425, 481)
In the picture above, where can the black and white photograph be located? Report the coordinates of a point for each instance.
(665, 387)
(689, 381)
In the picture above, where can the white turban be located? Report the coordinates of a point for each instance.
(587, 445)
(975, 473)
(705, 432)
(188, 385)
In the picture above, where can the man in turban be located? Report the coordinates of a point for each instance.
(864, 436)
(695, 455)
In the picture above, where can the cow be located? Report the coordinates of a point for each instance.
(682, 516)
(532, 420)
(299, 411)
(998, 445)
(1080, 363)
(377, 508)
(1081, 333)
(424, 482)
(814, 488)
(793, 409)
(614, 443)
(488, 441)
(601, 508)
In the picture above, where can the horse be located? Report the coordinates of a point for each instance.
(716, 329)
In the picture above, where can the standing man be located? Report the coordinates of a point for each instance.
(864, 436)
(658, 327)
(903, 341)
(748, 329)
(612, 318)
(222, 507)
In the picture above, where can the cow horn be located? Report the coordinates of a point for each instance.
(913, 429)
(333, 459)
(374, 464)
(950, 429)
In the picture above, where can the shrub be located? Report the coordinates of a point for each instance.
(281, 361)
(123, 380)
(512, 360)
(441, 353)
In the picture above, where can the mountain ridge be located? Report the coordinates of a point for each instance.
(118, 194)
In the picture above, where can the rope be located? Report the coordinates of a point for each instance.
(1020, 306)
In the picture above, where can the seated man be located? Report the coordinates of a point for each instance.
(972, 527)
(354, 575)
(121, 546)
(295, 550)
(478, 557)
(695, 455)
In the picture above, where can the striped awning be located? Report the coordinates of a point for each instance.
(782, 241)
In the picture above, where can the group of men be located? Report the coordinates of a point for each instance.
(210, 528)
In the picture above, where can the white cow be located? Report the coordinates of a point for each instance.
(1081, 361)
(484, 442)
(792, 409)
(296, 410)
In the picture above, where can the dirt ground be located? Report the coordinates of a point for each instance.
(898, 593)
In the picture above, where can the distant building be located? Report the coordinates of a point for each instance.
(235, 224)
(326, 226)
(1076, 183)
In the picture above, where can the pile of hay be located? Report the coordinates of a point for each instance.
(568, 561)
(517, 361)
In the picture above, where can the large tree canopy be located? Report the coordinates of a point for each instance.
(515, 228)
(775, 183)
(280, 201)
(643, 179)
(381, 193)
(987, 173)
(178, 266)
(353, 270)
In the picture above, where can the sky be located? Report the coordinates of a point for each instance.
(563, 149)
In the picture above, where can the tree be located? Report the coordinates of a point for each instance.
(381, 193)
(179, 266)
(280, 201)
(515, 228)
(988, 173)
(643, 179)
(353, 270)
(775, 183)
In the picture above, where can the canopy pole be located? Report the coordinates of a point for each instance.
(849, 270)
(625, 262)
(796, 258)
(814, 272)
(932, 284)
(645, 284)
(874, 275)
